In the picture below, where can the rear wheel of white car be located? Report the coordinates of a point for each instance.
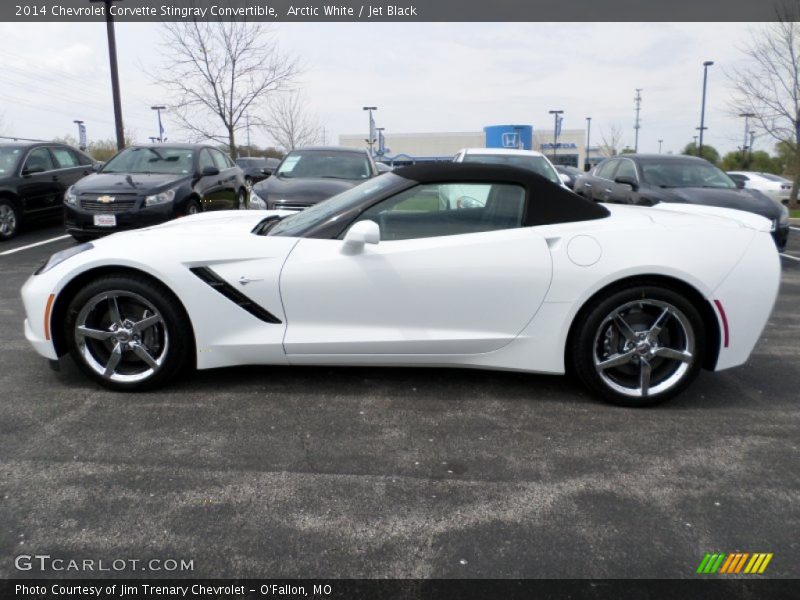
(639, 346)
(126, 333)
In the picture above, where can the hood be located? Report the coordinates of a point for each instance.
(310, 190)
(124, 183)
(745, 199)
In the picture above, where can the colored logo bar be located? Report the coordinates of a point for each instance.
(735, 563)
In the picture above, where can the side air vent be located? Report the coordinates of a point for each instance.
(234, 295)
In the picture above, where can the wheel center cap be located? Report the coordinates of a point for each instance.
(123, 335)
(643, 348)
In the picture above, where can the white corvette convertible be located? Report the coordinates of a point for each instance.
(633, 300)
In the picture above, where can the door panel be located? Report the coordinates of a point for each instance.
(458, 294)
(42, 192)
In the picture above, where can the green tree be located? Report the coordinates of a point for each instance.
(759, 161)
(709, 152)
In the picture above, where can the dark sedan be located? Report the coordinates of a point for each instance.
(33, 179)
(310, 175)
(647, 179)
(147, 185)
(256, 168)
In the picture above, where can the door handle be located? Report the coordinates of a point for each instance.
(245, 280)
(587, 185)
(608, 191)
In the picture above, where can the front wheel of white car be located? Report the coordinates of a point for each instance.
(126, 333)
(639, 346)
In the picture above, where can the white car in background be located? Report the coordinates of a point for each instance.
(524, 159)
(774, 186)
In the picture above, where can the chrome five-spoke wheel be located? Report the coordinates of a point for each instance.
(121, 336)
(640, 345)
(643, 347)
(128, 332)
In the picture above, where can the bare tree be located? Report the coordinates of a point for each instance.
(217, 72)
(290, 123)
(768, 85)
(610, 141)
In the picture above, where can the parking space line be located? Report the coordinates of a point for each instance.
(21, 248)
(795, 228)
(784, 255)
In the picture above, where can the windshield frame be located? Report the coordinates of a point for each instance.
(130, 149)
(336, 213)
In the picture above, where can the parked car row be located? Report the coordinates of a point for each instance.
(140, 186)
(774, 186)
(648, 179)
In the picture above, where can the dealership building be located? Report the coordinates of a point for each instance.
(407, 148)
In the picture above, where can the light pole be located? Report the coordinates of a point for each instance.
(706, 64)
(659, 145)
(637, 124)
(750, 148)
(81, 134)
(371, 136)
(158, 109)
(746, 116)
(556, 117)
(587, 163)
(247, 124)
(112, 59)
(694, 137)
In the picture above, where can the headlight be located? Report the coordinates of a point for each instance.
(161, 198)
(256, 202)
(60, 257)
(70, 197)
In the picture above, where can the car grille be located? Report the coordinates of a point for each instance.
(121, 203)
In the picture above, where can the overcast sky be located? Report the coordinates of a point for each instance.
(424, 77)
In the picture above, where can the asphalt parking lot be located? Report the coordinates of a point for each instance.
(357, 472)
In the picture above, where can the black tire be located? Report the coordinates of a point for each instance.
(80, 238)
(169, 341)
(636, 352)
(9, 219)
(192, 207)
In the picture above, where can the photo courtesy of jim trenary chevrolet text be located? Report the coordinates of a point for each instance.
(369, 299)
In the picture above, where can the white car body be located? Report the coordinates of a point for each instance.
(503, 299)
(775, 187)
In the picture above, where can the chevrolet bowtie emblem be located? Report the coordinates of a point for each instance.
(105, 199)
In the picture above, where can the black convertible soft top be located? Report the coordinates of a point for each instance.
(549, 203)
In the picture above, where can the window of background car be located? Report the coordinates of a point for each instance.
(606, 169)
(298, 224)
(9, 156)
(537, 164)
(219, 160)
(205, 159)
(681, 174)
(626, 169)
(39, 159)
(429, 210)
(65, 158)
(320, 163)
(164, 160)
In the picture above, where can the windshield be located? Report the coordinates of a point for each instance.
(176, 161)
(680, 174)
(321, 163)
(9, 156)
(297, 224)
(537, 164)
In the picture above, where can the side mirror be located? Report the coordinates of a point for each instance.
(209, 171)
(739, 183)
(564, 177)
(32, 171)
(624, 180)
(97, 166)
(266, 171)
(363, 232)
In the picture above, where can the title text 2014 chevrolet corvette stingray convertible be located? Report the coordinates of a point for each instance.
(520, 274)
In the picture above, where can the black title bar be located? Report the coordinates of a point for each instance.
(395, 11)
